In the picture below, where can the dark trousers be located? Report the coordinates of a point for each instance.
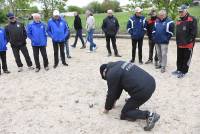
(3, 60)
(113, 40)
(131, 110)
(151, 49)
(134, 46)
(24, 50)
(78, 35)
(184, 56)
(36, 50)
(56, 45)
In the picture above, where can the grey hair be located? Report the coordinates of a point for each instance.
(162, 12)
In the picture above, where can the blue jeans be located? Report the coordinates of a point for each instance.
(66, 43)
(90, 39)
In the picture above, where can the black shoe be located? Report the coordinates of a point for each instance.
(55, 66)
(156, 63)
(148, 62)
(37, 70)
(117, 55)
(151, 120)
(65, 64)
(158, 67)
(73, 46)
(83, 47)
(69, 57)
(6, 72)
(140, 62)
(132, 61)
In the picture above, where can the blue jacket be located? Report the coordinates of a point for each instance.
(163, 31)
(37, 33)
(137, 26)
(3, 41)
(58, 30)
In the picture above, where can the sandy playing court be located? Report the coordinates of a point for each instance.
(57, 101)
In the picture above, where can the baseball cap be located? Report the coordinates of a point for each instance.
(10, 15)
(56, 13)
(182, 8)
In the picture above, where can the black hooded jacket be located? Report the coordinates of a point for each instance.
(16, 34)
(124, 75)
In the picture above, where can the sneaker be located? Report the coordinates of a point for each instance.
(151, 120)
(162, 69)
(94, 48)
(148, 62)
(140, 62)
(65, 64)
(109, 54)
(46, 68)
(6, 72)
(89, 51)
(37, 70)
(117, 55)
(20, 69)
(31, 68)
(181, 75)
(132, 61)
(176, 72)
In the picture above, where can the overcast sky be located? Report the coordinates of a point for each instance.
(82, 3)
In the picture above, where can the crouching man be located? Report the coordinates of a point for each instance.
(139, 85)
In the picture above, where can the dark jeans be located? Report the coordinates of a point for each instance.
(24, 50)
(151, 49)
(134, 46)
(36, 50)
(131, 110)
(113, 40)
(3, 60)
(184, 56)
(56, 45)
(80, 36)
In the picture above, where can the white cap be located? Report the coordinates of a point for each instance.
(138, 10)
(56, 13)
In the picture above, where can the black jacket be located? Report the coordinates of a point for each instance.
(123, 75)
(77, 23)
(16, 34)
(150, 26)
(110, 26)
(186, 30)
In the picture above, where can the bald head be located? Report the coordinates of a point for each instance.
(110, 12)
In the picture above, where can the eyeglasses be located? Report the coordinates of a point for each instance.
(11, 18)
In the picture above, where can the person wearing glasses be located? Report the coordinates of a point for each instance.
(16, 35)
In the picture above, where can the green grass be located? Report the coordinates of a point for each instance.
(123, 19)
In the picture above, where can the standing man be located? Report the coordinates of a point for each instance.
(36, 31)
(137, 83)
(79, 30)
(186, 32)
(90, 26)
(150, 26)
(162, 33)
(110, 27)
(3, 48)
(136, 28)
(58, 31)
(16, 35)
